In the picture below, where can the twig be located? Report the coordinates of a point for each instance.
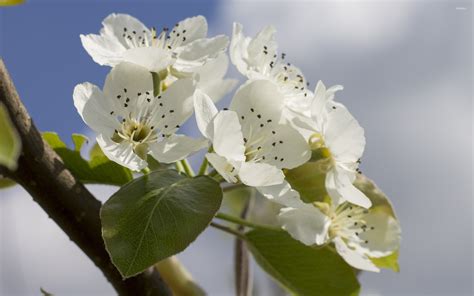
(67, 202)
(242, 222)
(228, 230)
(243, 270)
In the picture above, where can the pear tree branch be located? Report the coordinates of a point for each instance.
(66, 201)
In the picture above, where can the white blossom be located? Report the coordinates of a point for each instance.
(248, 142)
(333, 129)
(357, 233)
(258, 58)
(131, 122)
(173, 54)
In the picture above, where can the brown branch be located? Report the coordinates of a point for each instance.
(43, 174)
(243, 271)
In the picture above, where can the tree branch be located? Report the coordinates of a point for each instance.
(43, 174)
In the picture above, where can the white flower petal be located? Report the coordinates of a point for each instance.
(176, 147)
(282, 194)
(261, 48)
(198, 52)
(260, 174)
(153, 58)
(122, 153)
(286, 148)
(105, 50)
(205, 111)
(343, 135)
(123, 85)
(238, 49)
(339, 186)
(211, 78)
(306, 224)
(226, 169)
(354, 258)
(217, 89)
(194, 28)
(382, 235)
(227, 136)
(319, 105)
(94, 108)
(174, 106)
(122, 25)
(258, 103)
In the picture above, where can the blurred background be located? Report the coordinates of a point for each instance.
(407, 71)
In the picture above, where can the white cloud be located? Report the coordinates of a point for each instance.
(312, 29)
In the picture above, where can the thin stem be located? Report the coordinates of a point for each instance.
(243, 270)
(187, 167)
(228, 230)
(243, 222)
(179, 166)
(203, 167)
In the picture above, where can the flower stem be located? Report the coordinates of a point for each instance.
(187, 167)
(243, 222)
(229, 230)
(179, 166)
(203, 167)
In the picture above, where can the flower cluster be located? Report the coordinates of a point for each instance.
(274, 125)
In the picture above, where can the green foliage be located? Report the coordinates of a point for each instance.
(10, 2)
(10, 143)
(156, 216)
(389, 262)
(5, 183)
(380, 202)
(45, 293)
(301, 269)
(98, 170)
(309, 178)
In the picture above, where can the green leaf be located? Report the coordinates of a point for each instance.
(380, 202)
(5, 183)
(156, 216)
(98, 170)
(45, 293)
(10, 2)
(10, 143)
(377, 197)
(301, 269)
(79, 140)
(309, 179)
(390, 261)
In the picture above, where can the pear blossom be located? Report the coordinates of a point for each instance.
(249, 145)
(334, 131)
(257, 58)
(173, 54)
(358, 234)
(131, 122)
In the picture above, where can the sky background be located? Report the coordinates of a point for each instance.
(407, 71)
